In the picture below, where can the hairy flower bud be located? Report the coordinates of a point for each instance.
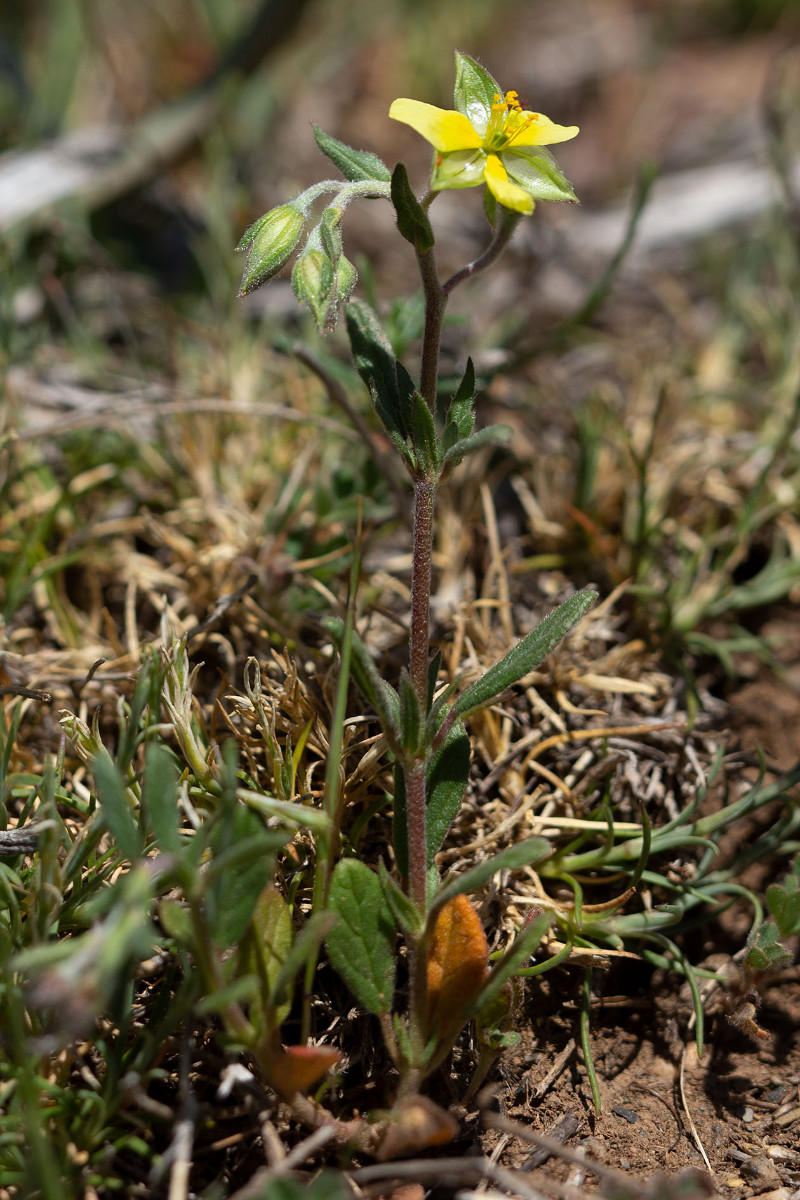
(270, 243)
(313, 283)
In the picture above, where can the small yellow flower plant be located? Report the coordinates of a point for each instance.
(488, 138)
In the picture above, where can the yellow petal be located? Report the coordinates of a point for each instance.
(444, 129)
(542, 132)
(503, 190)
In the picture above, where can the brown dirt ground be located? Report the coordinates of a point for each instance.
(743, 1096)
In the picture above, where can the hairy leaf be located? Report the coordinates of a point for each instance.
(361, 943)
(358, 166)
(527, 654)
(412, 220)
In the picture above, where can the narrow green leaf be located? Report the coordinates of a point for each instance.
(492, 435)
(527, 654)
(531, 850)
(263, 952)
(115, 805)
(423, 436)
(412, 220)
(390, 387)
(380, 694)
(357, 166)
(406, 915)
(242, 866)
(517, 954)
(460, 401)
(361, 944)
(411, 723)
(447, 782)
(160, 797)
(306, 943)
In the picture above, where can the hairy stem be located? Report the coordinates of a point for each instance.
(506, 224)
(435, 302)
(421, 570)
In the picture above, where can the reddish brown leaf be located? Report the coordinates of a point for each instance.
(416, 1123)
(297, 1067)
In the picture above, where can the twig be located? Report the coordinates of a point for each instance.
(619, 1180)
(220, 608)
(22, 840)
(562, 1131)
(12, 689)
(447, 1170)
(685, 1103)
(562, 1058)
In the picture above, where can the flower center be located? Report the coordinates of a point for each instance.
(507, 122)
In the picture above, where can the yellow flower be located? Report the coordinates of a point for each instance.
(490, 139)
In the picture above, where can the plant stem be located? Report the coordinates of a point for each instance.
(435, 302)
(506, 224)
(421, 571)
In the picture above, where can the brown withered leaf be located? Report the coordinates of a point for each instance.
(416, 1123)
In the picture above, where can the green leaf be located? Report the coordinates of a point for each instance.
(475, 91)
(328, 1185)
(447, 782)
(380, 694)
(765, 950)
(412, 220)
(357, 166)
(411, 723)
(361, 944)
(305, 943)
(526, 655)
(242, 866)
(531, 850)
(536, 170)
(492, 435)
(390, 387)
(458, 408)
(115, 806)
(160, 797)
(263, 952)
(423, 437)
(517, 954)
(785, 907)
(406, 914)
(447, 776)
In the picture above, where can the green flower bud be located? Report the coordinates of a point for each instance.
(270, 243)
(313, 283)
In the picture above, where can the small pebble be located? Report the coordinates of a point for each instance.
(626, 1114)
(747, 1115)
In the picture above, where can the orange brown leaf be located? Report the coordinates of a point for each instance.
(458, 963)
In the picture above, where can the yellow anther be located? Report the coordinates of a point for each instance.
(512, 100)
